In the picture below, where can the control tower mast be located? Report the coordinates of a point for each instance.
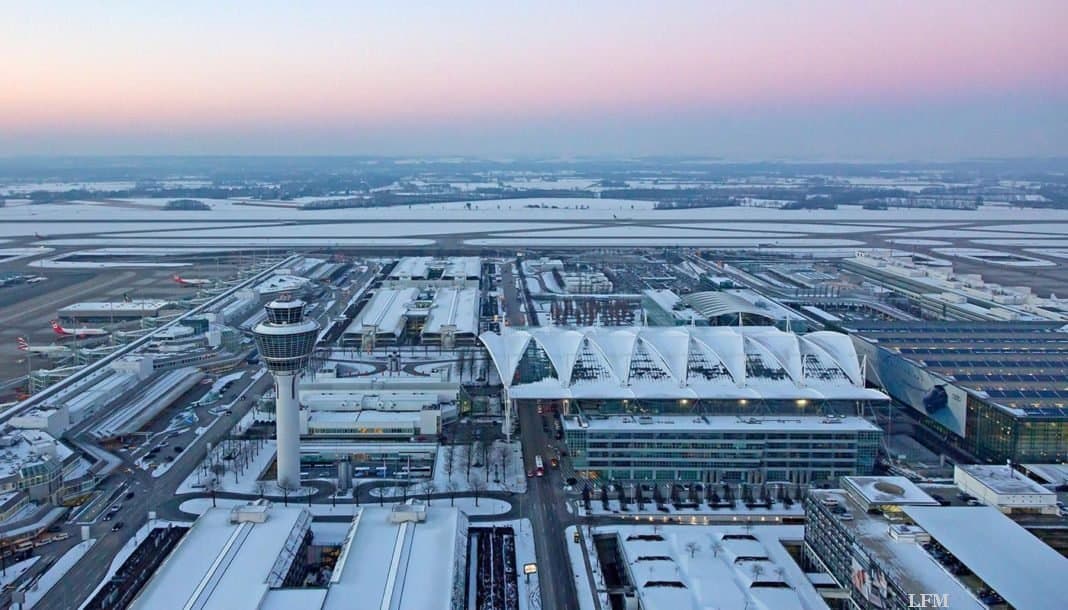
(286, 341)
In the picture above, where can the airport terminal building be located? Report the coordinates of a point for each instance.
(697, 403)
(996, 390)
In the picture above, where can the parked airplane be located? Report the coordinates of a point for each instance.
(48, 350)
(190, 281)
(77, 332)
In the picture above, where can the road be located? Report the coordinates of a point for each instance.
(546, 505)
(512, 296)
(149, 494)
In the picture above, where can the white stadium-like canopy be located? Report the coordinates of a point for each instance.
(680, 362)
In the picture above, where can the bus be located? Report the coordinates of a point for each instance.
(539, 466)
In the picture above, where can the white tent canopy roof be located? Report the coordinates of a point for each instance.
(681, 362)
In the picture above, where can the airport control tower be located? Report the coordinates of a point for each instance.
(286, 341)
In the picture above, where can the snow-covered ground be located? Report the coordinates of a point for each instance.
(58, 570)
(486, 506)
(8, 255)
(247, 479)
(198, 506)
(498, 456)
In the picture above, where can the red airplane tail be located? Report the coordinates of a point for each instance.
(23, 345)
(177, 278)
(59, 330)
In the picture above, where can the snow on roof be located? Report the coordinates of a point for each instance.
(681, 362)
(22, 448)
(365, 418)
(708, 423)
(281, 283)
(220, 565)
(1025, 571)
(1056, 474)
(462, 267)
(385, 310)
(888, 490)
(1003, 480)
(411, 267)
(414, 564)
(453, 306)
(670, 574)
(454, 267)
(120, 306)
(904, 562)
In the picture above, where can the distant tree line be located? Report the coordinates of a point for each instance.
(186, 204)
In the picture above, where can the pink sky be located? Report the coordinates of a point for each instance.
(113, 68)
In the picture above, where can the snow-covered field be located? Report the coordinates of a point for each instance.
(509, 222)
(498, 455)
(246, 481)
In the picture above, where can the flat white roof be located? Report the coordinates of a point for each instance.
(458, 307)
(220, 565)
(1055, 474)
(889, 490)
(709, 423)
(904, 562)
(386, 310)
(22, 451)
(668, 578)
(120, 306)
(366, 418)
(462, 267)
(1025, 571)
(281, 283)
(411, 266)
(1003, 480)
(413, 565)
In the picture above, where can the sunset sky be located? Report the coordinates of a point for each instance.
(830, 79)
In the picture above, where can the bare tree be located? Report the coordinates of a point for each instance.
(260, 488)
(780, 572)
(498, 457)
(211, 487)
(478, 485)
(428, 489)
(758, 571)
(717, 546)
(692, 547)
(463, 460)
(452, 488)
(448, 459)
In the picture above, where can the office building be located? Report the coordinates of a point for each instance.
(713, 449)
